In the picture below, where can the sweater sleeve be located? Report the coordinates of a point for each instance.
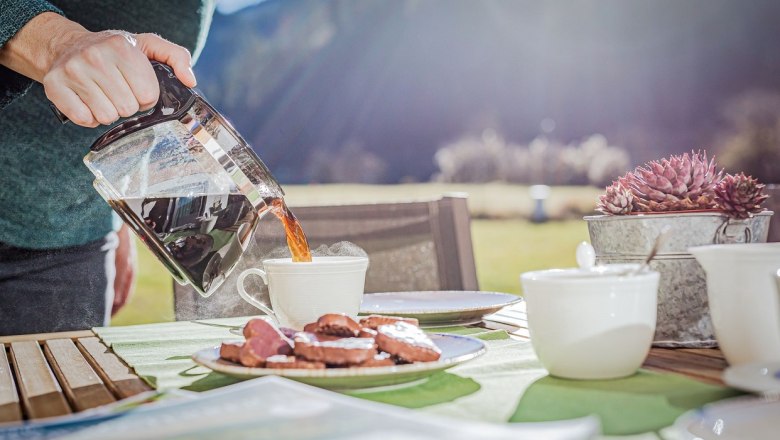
(14, 14)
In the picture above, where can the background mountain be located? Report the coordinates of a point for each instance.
(380, 85)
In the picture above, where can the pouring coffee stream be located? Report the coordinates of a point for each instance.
(189, 185)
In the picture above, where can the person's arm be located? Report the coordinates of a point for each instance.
(92, 77)
(14, 14)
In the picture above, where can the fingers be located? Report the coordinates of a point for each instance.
(158, 49)
(102, 108)
(142, 82)
(69, 103)
(116, 88)
(99, 77)
(80, 79)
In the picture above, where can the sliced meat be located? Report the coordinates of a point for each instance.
(407, 342)
(257, 349)
(339, 352)
(288, 332)
(230, 351)
(259, 327)
(282, 361)
(374, 321)
(336, 324)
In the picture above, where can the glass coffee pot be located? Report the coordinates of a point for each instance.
(186, 182)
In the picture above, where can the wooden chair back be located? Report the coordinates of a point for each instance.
(421, 245)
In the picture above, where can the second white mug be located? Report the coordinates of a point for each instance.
(591, 323)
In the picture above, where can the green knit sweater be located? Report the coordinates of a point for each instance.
(46, 195)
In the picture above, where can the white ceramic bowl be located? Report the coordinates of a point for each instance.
(591, 323)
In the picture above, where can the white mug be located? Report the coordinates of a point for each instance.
(743, 300)
(302, 292)
(591, 323)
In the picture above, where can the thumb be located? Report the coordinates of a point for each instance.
(159, 49)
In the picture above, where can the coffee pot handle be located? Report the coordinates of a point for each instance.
(175, 98)
(60, 115)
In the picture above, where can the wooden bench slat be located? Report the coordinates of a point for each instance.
(82, 385)
(40, 392)
(10, 409)
(119, 378)
(44, 336)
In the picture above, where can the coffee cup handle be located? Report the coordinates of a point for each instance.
(251, 300)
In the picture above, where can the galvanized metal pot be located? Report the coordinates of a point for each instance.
(683, 311)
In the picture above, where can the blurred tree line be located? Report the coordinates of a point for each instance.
(370, 90)
(751, 141)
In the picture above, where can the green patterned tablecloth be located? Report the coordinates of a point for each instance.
(508, 384)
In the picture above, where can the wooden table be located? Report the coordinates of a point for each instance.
(54, 374)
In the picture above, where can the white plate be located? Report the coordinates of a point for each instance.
(741, 418)
(454, 350)
(759, 377)
(437, 308)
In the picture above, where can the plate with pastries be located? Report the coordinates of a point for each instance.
(338, 352)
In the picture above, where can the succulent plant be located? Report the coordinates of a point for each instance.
(739, 196)
(680, 183)
(618, 200)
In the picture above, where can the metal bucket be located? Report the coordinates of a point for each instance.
(683, 311)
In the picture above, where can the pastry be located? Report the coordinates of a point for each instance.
(374, 321)
(339, 352)
(407, 342)
(336, 324)
(379, 360)
(283, 361)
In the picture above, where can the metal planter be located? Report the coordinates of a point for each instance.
(683, 311)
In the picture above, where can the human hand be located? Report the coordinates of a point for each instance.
(93, 77)
(125, 262)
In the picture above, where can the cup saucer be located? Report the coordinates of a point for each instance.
(738, 418)
(760, 377)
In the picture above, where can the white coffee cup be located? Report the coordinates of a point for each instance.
(595, 323)
(302, 292)
(743, 299)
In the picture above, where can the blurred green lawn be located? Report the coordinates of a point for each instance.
(503, 248)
